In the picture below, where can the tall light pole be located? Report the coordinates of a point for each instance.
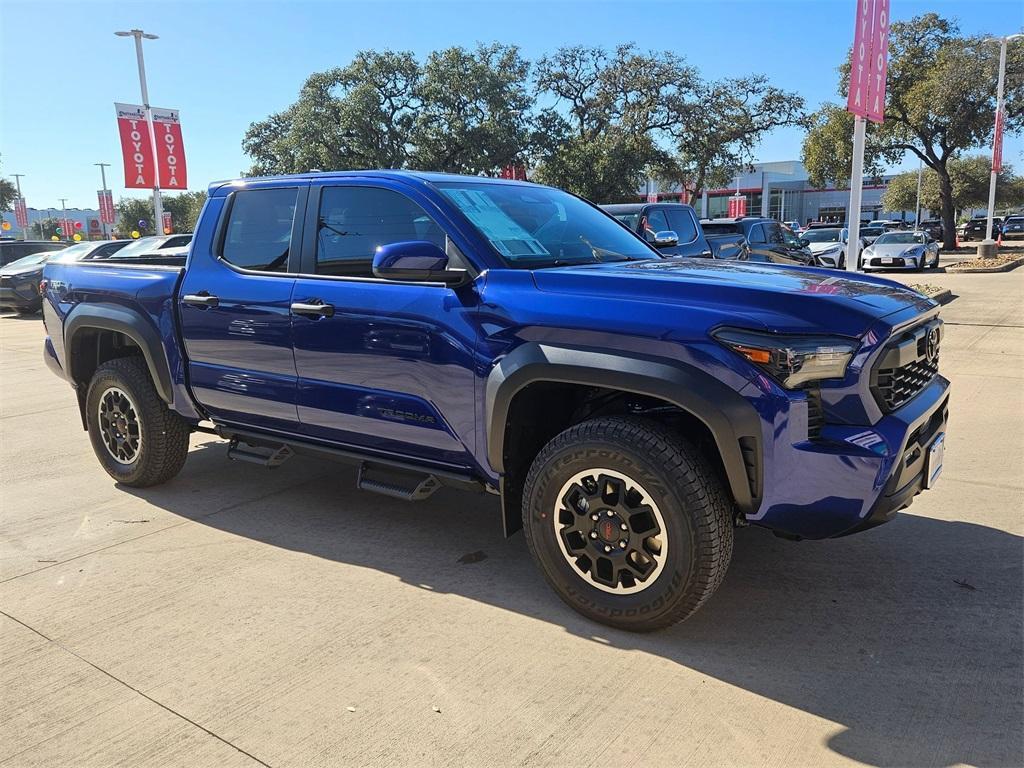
(158, 206)
(917, 208)
(996, 139)
(103, 176)
(17, 183)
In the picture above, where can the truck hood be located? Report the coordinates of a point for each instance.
(794, 299)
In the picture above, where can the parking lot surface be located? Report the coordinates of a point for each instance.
(240, 616)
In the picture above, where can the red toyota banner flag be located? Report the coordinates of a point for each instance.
(168, 223)
(106, 198)
(879, 63)
(170, 152)
(136, 148)
(860, 60)
(997, 143)
(737, 206)
(21, 212)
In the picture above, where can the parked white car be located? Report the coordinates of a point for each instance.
(901, 250)
(829, 246)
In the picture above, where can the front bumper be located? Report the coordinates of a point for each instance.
(20, 296)
(850, 478)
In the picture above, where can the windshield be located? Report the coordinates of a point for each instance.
(143, 245)
(34, 258)
(822, 235)
(532, 227)
(73, 253)
(905, 238)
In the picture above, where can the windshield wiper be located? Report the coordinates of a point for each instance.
(335, 230)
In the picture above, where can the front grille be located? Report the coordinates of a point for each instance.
(907, 365)
(897, 261)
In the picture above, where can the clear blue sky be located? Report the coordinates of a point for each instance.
(227, 64)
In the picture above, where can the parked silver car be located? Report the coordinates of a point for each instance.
(901, 250)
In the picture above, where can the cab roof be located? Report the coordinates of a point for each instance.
(419, 176)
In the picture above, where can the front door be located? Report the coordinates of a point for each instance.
(382, 365)
(234, 306)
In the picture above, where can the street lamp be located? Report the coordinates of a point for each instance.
(1003, 41)
(138, 34)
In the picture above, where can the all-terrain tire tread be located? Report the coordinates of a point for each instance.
(688, 472)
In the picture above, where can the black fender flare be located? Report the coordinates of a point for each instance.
(113, 317)
(730, 418)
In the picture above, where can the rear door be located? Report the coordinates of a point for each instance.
(234, 308)
(691, 241)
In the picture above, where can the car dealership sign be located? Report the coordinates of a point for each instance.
(869, 60)
(140, 169)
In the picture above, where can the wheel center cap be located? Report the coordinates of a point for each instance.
(609, 529)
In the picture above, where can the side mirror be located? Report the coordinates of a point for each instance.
(418, 261)
(804, 242)
(665, 239)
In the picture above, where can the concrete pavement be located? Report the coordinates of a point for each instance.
(238, 616)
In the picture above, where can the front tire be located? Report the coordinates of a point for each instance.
(139, 441)
(628, 523)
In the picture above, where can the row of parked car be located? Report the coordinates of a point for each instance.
(674, 229)
(22, 262)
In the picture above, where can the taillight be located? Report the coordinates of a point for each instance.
(42, 287)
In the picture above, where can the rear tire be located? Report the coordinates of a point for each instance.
(139, 441)
(628, 523)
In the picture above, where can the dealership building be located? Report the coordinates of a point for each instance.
(782, 191)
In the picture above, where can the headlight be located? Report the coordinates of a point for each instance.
(791, 360)
(831, 251)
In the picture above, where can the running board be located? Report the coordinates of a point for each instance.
(398, 484)
(268, 457)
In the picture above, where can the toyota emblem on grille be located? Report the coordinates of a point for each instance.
(931, 349)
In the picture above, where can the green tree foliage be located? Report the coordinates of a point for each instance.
(721, 126)
(592, 120)
(8, 194)
(44, 229)
(183, 207)
(970, 181)
(475, 114)
(940, 102)
(130, 211)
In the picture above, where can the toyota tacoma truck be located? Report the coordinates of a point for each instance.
(629, 410)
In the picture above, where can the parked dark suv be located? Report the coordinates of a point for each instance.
(769, 241)
(934, 229)
(675, 222)
(12, 250)
(975, 228)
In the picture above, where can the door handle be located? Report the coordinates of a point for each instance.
(314, 308)
(200, 300)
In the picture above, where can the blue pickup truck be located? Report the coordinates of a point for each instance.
(630, 410)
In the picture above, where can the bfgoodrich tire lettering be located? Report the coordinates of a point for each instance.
(149, 443)
(676, 478)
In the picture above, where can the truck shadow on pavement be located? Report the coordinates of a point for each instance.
(907, 636)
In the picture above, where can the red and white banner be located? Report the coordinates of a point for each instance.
(737, 206)
(170, 152)
(879, 61)
(136, 148)
(997, 142)
(21, 212)
(168, 223)
(106, 198)
(869, 60)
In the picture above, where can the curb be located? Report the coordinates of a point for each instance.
(953, 270)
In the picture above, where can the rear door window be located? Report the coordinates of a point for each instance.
(259, 229)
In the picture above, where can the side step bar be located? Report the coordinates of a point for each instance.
(266, 457)
(396, 483)
(379, 474)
